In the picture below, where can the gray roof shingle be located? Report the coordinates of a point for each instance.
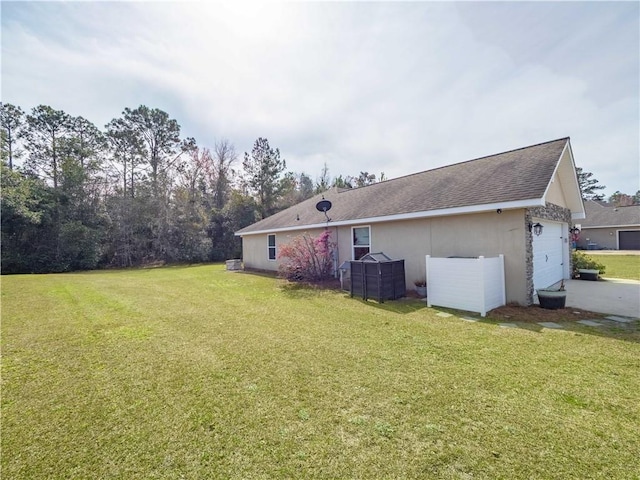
(598, 215)
(521, 174)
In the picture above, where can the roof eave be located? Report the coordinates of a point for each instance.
(534, 202)
(576, 213)
(637, 225)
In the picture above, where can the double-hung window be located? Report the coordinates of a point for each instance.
(361, 241)
(271, 246)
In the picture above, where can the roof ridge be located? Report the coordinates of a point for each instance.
(519, 179)
(609, 205)
(515, 149)
(454, 164)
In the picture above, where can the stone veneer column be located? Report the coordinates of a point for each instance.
(549, 212)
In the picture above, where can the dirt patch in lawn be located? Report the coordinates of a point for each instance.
(535, 313)
(326, 284)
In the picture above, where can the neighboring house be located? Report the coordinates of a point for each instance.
(480, 207)
(609, 227)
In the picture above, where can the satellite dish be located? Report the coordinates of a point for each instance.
(323, 205)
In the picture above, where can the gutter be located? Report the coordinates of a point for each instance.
(534, 202)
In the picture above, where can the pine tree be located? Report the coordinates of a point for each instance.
(263, 169)
(589, 186)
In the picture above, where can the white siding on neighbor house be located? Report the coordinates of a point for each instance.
(472, 284)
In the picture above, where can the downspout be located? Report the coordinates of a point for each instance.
(336, 256)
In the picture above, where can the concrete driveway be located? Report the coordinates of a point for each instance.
(613, 296)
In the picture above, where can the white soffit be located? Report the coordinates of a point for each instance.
(534, 202)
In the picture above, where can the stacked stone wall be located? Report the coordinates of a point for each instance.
(551, 212)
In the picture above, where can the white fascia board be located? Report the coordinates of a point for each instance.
(585, 227)
(287, 229)
(576, 184)
(555, 171)
(533, 202)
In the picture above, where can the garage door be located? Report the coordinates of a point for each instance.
(629, 240)
(547, 255)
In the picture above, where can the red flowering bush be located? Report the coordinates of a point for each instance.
(307, 258)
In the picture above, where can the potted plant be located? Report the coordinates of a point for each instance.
(584, 267)
(421, 287)
(588, 274)
(552, 299)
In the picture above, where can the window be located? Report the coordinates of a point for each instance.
(271, 242)
(361, 242)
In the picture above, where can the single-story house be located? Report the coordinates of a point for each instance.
(609, 227)
(487, 206)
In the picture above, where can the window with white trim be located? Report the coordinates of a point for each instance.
(271, 246)
(360, 241)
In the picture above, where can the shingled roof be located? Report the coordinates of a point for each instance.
(517, 178)
(598, 215)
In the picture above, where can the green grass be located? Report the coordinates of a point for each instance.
(198, 373)
(619, 266)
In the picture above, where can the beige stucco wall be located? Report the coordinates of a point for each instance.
(255, 251)
(487, 234)
(408, 240)
(603, 237)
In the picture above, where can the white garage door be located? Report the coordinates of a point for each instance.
(547, 255)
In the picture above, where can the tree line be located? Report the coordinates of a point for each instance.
(136, 192)
(591, 188)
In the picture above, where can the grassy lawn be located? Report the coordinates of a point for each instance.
(619, 266)
(197, 373)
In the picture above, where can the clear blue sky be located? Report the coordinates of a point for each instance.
(393, 87)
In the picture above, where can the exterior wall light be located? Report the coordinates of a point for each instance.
(536, 228)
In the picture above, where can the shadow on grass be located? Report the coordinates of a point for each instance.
(401, 306)
(298, 292)
(259, 273)
(140, 269)
(302, 290)
(525, 318)
(529, 318)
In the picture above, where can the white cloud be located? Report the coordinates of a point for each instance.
(397, 88)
